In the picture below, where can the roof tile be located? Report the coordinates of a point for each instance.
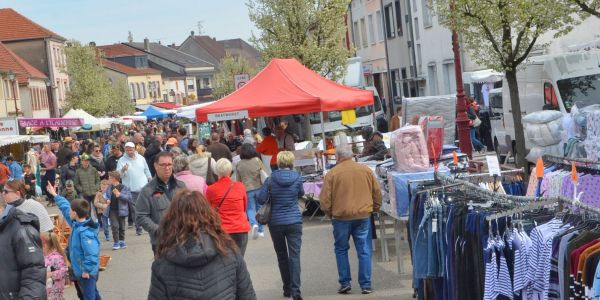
(10, 61)
(14, 26)
(119, 50)
(127, 70)
(213, 47)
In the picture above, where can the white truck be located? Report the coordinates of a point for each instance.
(365, 115)
(556, 81)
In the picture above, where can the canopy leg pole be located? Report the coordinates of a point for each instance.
(323, 132)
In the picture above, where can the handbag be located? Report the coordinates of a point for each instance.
(263, 173)
(263, 215)
(210, 175)
(476, 122)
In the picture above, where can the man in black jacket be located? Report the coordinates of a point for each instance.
(23, 274)
(155, 197)
(113, 159)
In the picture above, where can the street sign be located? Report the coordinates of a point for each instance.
(240, 80)
(8, 126)
(226, 116)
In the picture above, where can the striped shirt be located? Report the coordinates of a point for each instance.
(503, 284)
(539, 258)
(491, 271)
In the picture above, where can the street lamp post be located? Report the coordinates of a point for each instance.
(11, 78)
(462, 120)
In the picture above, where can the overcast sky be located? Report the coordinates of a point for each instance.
(108, 21)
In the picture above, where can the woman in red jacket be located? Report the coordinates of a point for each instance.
(230, 200)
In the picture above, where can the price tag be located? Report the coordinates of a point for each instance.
(493, 165)
(434, 225)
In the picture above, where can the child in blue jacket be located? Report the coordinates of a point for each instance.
(84, 246)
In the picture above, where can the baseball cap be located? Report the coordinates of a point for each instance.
(68, 139)
(85, 156)
(129, 144)
(172, 141)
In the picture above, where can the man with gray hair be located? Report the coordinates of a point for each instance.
(349, 195)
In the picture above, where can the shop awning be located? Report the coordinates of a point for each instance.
(286, 87)
(166, 105)
(6, 140)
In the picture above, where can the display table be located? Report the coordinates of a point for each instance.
(381, 217)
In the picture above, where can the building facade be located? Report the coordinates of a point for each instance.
(39, 47)
(365, 30)
(24, 87)
(180, 70)
(145, 84)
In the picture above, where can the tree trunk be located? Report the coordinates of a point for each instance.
(515, 103)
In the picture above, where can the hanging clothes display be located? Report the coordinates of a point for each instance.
(468, 242)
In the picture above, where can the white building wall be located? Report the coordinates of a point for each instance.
(367, 35)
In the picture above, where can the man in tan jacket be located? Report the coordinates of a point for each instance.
(349, 195)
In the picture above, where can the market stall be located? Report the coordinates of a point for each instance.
(90, 123)
(285, 87)
(153, 113)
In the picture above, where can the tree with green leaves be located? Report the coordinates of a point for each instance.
(90, 88)
(311, 31)
(223, 82)
(500, 34)
(591, 7)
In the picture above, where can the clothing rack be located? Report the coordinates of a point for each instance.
(567, 161)
(529, 206)
(506, 172)
(476, 190)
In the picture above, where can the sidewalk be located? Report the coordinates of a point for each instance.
(128, 273)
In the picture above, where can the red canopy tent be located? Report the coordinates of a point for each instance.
(286, 87)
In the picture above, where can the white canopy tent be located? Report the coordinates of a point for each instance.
(95, 123)
(484, 76)
(189, 112)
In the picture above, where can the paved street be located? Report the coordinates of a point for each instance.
(128, 273)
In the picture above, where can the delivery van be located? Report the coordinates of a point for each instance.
(557, 82)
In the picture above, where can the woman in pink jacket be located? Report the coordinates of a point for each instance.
(182, 172)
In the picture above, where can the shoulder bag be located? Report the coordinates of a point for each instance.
(210, 175)
(263, 215)
(224, 196)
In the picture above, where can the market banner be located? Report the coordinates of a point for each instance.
(50, 122)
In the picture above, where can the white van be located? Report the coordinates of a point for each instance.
(365, 116)
(557, 81)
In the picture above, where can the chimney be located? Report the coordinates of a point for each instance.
(93, 44)
(159, 42)
(146, 44)
(214, 39)
(192, 33)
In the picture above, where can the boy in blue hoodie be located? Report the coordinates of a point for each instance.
(84, 246)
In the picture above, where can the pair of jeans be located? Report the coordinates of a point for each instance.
(117, 224)
(360, 230)
(131, 218)
(241, 240)
(105, 224)
(476, 143)
(287, 240)
(253, 207)
(89, 289)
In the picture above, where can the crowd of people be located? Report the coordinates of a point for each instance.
(197, 200)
